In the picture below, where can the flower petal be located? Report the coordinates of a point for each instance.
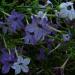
(17, 68)
(25, 68)
(26, 61)
(5, 68)
(14, 66)
(20, 59)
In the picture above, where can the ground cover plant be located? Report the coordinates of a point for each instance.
(37, 37)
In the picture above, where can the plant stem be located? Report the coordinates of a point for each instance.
(54, 48)
(16, 52)
(2, 10)
(63, 66)
(52, 28)
(6, 45)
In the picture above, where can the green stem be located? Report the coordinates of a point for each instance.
(40, 71)
(54, 29)
(1, 10)
(27, 20)
(5, 13)
(29, 7)
(54, 48)
(6, 45)
(16, 52)
(63, 66)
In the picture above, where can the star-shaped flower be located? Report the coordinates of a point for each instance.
(15, 21)
(67, 10)
(21, 65)
(36, 31)
(7, 60)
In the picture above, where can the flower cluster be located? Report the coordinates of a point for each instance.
(26, 37)
(11, 60)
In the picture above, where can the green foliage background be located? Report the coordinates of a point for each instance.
(55, 59)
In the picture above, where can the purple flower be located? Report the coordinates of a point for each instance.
(21, 65)
(30, 38)
(41, 55)
(48, 43)
(36, 31)
(42, 15)
(1, 23)
(66, 37)
(58, 71)
(15, 21)
(7, 60)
